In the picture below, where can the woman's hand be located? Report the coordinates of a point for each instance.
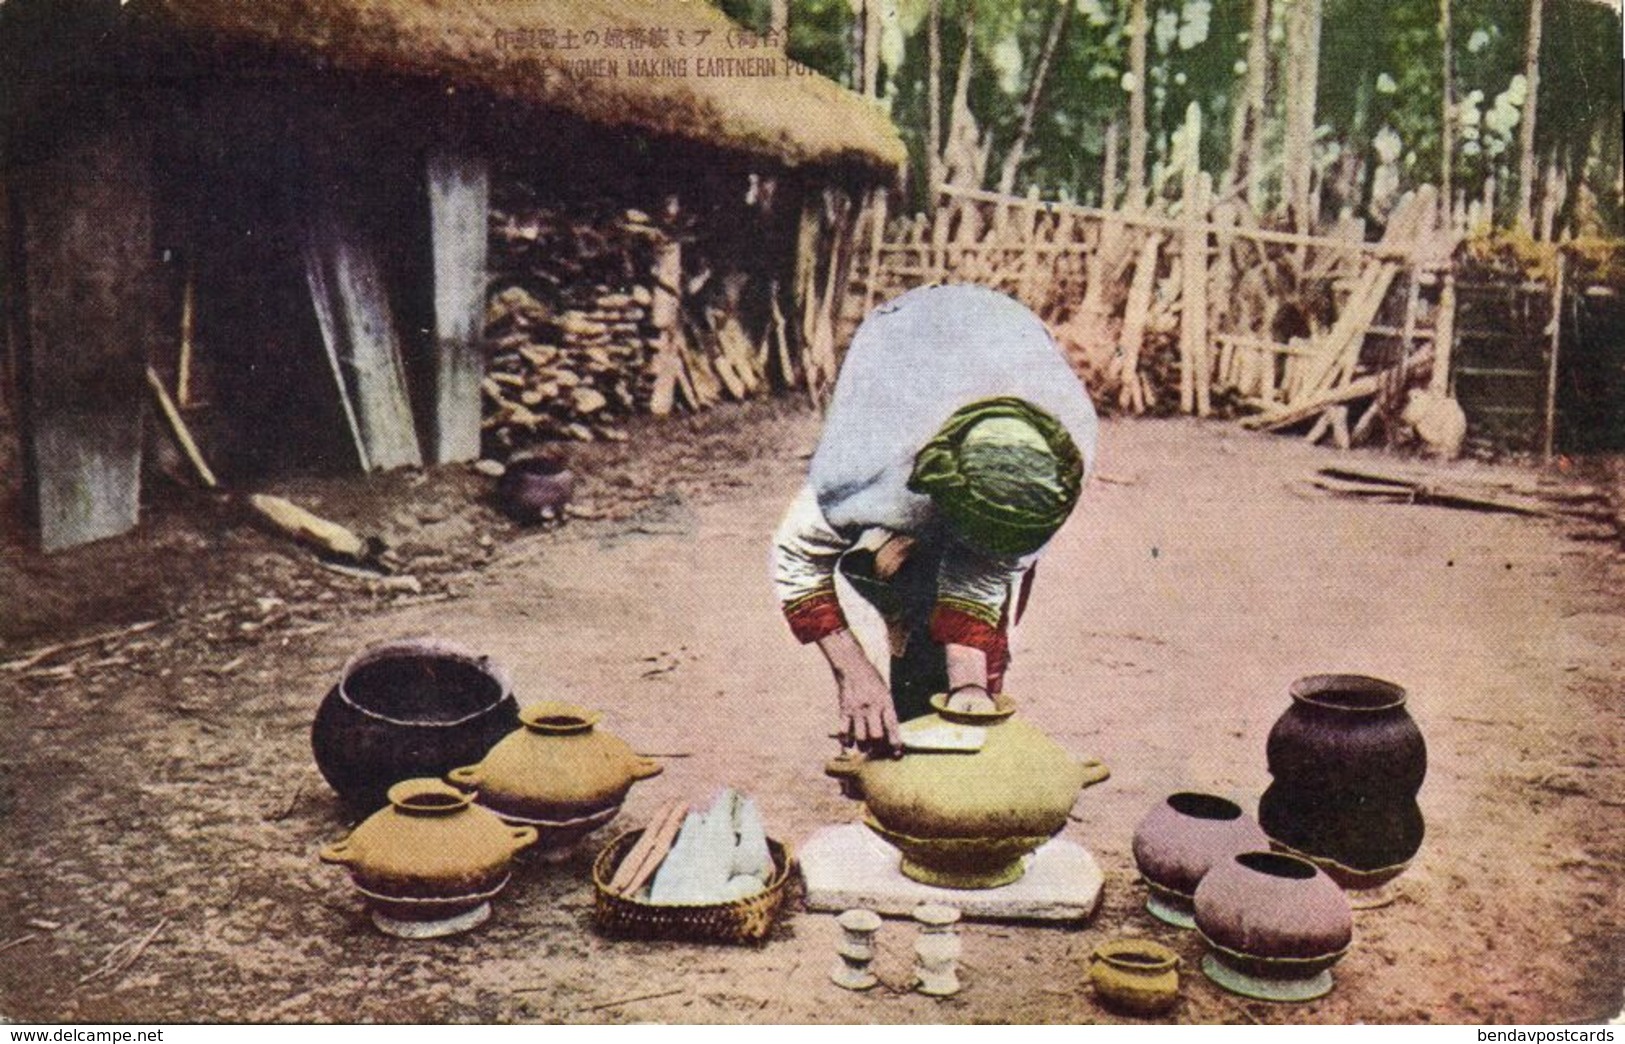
(868, 717)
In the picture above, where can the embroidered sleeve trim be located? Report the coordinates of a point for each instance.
(815, 616)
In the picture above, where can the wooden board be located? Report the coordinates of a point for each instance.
(352, 306)
(459, 199)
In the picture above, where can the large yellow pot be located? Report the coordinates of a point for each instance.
(967, 820)
(557, 772)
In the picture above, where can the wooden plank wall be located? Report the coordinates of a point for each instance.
(88, 279)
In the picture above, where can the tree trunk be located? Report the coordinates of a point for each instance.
(1035, 90)
(1526, 136)
(962, 155)
(1247, 124)
(871, 48)
(933, 102)
(1447, 121)
(1136, 107)
(1303, 70)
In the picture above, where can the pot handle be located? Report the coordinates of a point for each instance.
(523, 837)
(1094, 771)
(337, 853)
(844, 767)
(467, 776)
(645, 768)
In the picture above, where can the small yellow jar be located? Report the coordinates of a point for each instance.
(1135, 976)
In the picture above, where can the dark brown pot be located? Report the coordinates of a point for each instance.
(1180, 839)
(1273, 916)
(536, 489)
(1361, 841)
(1348, 734)
(406, 709)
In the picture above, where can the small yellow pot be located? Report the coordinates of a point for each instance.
(1135, 976)
(430, 858)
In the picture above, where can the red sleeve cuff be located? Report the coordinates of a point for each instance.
(815, 616)
(954, 626)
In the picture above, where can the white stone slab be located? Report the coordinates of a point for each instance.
(851, 866)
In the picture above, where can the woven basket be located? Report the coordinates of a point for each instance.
(747, 920)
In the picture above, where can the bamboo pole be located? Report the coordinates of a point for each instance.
(1549, 439)
(1194, 378)
(183, 369)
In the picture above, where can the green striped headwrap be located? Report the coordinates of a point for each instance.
(1003, 472)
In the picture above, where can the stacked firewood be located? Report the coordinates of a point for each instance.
(567, 325)
(597, 312)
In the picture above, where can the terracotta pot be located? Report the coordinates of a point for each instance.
(1349, 734)
(557, 771)
(967, 820)
(1274, 924)
(1361, 844)
(1136, 976)
(1180, 839)
(412, 708)
(431, 856)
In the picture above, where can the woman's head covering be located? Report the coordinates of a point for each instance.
(1004, 473)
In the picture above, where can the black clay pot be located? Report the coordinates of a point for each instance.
(1359, 841)
(419, 707)
(1347, 734)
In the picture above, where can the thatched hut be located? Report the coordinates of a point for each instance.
(281, 209)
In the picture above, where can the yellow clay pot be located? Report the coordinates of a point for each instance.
(967, 820)
(1136, 976)
(557, 770)
(431, 843)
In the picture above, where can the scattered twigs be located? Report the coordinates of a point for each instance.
(39, 656)
(632, 1000)
(9, 943)
(121, 957)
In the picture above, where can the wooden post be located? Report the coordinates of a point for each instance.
(1134, 316)
(88, 280)
(877, 233)
(459, 200)
(664, 309)
(1194, 378)
(1549, 436)
(1444, 336)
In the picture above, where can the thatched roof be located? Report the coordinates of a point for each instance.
(791, 117)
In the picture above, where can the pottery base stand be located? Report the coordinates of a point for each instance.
(1286, 991)
(454, 925)
(850, 866)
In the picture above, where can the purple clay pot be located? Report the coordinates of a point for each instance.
(1274, 925)
(1183, 837)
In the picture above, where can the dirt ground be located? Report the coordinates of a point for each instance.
(160, 811)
